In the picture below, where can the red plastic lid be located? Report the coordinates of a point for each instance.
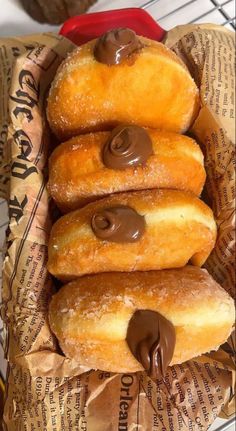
(82, 28)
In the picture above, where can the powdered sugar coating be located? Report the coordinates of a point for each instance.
(90, 315)
(87, 95)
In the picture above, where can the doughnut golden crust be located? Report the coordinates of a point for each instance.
(90, 316)
(177, 227)
(77, 173)
(153, 88)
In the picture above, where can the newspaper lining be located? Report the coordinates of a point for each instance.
(45, 390)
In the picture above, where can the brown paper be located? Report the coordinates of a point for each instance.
(208, 51)
(45, 390)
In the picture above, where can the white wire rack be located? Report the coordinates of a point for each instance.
(170, 13)
(193, 11)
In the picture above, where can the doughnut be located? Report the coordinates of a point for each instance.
(127, 322)
(91, 166)
(133, 231)
(121, 78)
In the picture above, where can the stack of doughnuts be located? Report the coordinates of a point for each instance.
(134, 233)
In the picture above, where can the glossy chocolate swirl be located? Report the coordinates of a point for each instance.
(118, 224)
(127, 146)
(116, 45)
(151, 339)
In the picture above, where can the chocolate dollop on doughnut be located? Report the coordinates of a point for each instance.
(118, 224)
(127, 146)
(151, 339)
(116, 45)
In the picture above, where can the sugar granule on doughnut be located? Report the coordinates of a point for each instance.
(91, 166)
(146, 230)
(121, 78)
(127, 322)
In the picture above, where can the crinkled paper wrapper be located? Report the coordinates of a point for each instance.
(45, 390)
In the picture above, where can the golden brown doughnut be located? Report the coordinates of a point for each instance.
(90, 316)
(79, 170)
(145, 230)
(150, 87)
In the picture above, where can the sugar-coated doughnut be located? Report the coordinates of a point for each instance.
(99, 86)
(145, 230)
(90, 166)
(99, 319)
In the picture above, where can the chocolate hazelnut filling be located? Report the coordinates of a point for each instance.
(118, 224)
(151, 339)
(116, 45)
(128, 146)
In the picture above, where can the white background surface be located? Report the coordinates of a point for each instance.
(14, 21)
